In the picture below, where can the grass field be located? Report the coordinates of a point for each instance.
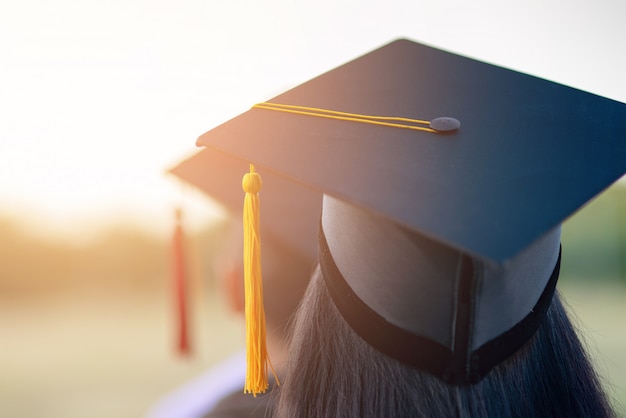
(100, 356)
(104, 355)
(599, 313)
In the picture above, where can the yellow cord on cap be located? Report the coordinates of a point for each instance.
(352, 117)
(256, 350)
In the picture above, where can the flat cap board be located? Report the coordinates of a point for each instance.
(528, 153)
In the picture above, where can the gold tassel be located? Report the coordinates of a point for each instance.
(256, 350)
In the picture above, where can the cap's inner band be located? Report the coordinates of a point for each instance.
(455, 367)
(444, 123)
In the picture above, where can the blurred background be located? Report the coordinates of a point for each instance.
(99, 99)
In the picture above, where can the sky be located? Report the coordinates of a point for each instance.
(98, 99)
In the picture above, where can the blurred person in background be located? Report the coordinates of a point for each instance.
(290, 216)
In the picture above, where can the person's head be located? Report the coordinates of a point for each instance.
(345, 377)
(396, 324)
(440, 238)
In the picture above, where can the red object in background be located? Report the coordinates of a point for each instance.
(180, 287)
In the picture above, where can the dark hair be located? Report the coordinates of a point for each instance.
(332, 372)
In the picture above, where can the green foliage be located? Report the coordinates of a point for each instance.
(594, 240)
(123, 257)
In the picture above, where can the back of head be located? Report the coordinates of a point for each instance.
(439, 244)
(344, 376)
(396, 324)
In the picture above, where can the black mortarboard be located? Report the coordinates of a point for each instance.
(290, 211)
(439, 247)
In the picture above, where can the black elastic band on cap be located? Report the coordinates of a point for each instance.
(421, 352)
(381, 334)
(493, 352)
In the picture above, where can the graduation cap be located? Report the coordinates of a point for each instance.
(290, 216)
(445, 182)
(290, 211)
